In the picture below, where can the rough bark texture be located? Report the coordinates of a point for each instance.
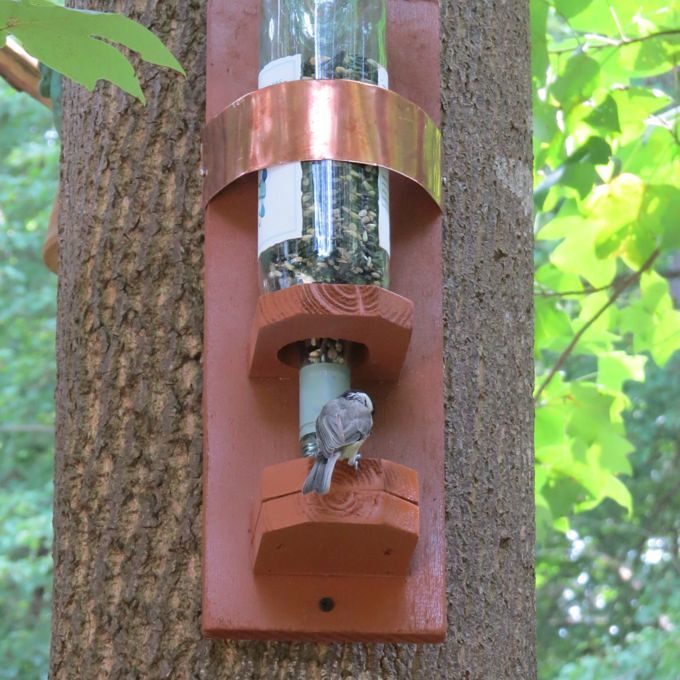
(128, 464)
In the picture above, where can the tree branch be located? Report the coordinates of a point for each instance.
(21, 71)
(668, 274)
(617, 43)
(618, 290)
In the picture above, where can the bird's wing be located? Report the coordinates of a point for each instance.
(339, 425)
(329, 432)
(359, 426)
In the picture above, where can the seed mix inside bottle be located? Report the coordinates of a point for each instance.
(339, 233)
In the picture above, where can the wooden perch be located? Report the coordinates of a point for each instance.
(20, 70)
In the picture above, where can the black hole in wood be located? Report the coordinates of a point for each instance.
(326, 604)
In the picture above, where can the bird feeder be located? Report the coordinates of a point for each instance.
(302, 150)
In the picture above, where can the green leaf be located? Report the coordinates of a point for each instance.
(635, 105)
(611, 487)
(661, 213)
(591, 413)
(551, 324)
(581, 177)
(550, 425)
(605, 117)
(570, 8)
(652, 156)
(539, 49)
(611, 18)
(655, 293)
(595, 150)
(576, 254)
(613, 208)
(556, 280)
(545, 120)
(611, 453)
(639, 322)
(618, 202)
(564, 492)
(646, 58)
(598, 336)
(614, 368)
(577, 171)
(71, 41)
(568, 221)
(543, 514)
(577, 82)
(666, 337)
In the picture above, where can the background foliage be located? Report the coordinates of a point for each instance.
(608, 378)
(29, 155)
(607, 399)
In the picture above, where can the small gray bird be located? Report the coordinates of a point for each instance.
(341, 428)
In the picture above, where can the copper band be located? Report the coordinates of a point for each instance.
(310, 120)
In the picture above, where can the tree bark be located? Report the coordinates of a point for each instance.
(128, 462)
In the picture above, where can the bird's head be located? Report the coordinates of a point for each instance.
(361, 397)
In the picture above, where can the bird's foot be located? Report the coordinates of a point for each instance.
(354, 461)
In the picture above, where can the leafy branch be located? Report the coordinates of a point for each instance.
(610, 42)
(619, 288)
(587, 290)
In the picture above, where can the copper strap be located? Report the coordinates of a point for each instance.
(309, 120)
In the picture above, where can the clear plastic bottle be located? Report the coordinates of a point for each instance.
(323, 221)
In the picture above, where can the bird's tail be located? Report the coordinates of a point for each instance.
(319, 477)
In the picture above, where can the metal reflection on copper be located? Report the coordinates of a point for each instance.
(311, 120)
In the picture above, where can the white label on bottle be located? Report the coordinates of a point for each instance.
(384, 209)
(383, 186)
(383, 80)
(281, 71)
(279, 216)
(279, 207)
(280, 187)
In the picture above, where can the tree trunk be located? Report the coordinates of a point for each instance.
(128, 463)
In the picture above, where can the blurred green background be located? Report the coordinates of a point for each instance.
(607, 333)
(29, 158)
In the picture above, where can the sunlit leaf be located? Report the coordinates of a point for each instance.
(539, 53)
(550, 425)
(666, 336)
(611, 453)
(605, 117)
(570, 8)
(655, 292)
(614, 368)
(552, 326)
(635, 105)
(577, 254)
(578, 80)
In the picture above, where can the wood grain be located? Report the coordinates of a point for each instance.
(359, 527)
(251, 424)
(377, 319)
(373, 475)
